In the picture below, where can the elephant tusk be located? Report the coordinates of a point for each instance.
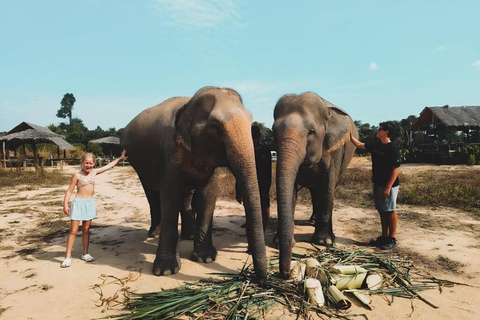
(340, 143)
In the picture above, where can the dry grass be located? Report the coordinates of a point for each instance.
(437, 188)
(30, 180)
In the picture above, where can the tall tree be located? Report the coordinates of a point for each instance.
(67, 106)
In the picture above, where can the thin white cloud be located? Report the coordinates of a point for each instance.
(205, 14)
(373, 66)
(476, 64)
(441, 48)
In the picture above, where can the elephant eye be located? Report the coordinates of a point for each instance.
(215, 129)
(311, 132)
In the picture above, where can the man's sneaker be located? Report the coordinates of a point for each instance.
(66, 263)
(389, 244)
(87, 257)
(378, 241)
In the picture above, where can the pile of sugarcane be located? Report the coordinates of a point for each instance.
(321, 282)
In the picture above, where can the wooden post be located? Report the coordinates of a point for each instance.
(4, 157)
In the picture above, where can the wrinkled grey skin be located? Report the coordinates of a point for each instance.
(306, 128)
(175, 148)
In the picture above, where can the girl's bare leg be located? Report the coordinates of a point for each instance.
(86, 235)
(71, 237)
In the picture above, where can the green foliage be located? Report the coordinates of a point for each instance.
(67, 106)
(96, 149)
(77, 132)
(469, 154)
(401, 135)
(266, 135)
(471, 160)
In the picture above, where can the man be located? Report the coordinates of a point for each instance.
(385, 170)
(263, 163)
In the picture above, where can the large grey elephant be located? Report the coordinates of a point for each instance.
(175, 147)
(311, 137)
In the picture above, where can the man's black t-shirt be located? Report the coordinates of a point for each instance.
(385, 157)
(263, 162)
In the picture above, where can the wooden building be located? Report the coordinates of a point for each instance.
(439, 124)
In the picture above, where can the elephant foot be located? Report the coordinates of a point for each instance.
(276, 242)
(154, 232)
(205, 256)
(166, 265)
(323, 239)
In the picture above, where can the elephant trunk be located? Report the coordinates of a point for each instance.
(291, 153)
(241, 156)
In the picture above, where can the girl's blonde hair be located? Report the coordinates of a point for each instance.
(87, 155)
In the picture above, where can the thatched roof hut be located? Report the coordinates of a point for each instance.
(438, 123)
(107, 140)
(113, 143)
(29, 133)
(452, 118)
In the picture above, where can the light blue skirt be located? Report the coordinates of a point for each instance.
(83, 209)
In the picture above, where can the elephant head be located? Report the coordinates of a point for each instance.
(310, 135)
(215, 128)
(175, 147)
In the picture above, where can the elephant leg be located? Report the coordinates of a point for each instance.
(204, 204)
(322, 201)
(153, 198)
(188, 218)
(167, 259)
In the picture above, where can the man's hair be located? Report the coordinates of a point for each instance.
(390, 127)
(255, 131)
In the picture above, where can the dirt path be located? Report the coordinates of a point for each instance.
(441, 241)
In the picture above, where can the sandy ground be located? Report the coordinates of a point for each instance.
(441, 241)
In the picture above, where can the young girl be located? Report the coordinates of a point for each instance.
(83, 206)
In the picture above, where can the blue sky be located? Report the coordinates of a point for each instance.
(378, 60)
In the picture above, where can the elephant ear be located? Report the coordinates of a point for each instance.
(339, 126)
(182, 127)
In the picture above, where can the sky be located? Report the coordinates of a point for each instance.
(377, 60)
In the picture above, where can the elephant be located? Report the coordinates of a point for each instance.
(175, 148)
(313, 150)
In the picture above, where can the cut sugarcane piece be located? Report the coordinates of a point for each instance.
(315, 293)
(363, 298)
(297, 270)
(313, 270)
(374, 281)
(312, 263)
(351, 281)
(350, 269)
(338, 299)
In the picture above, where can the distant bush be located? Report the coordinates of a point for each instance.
(469, 154)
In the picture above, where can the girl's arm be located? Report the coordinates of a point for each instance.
(111, 164)
(68, 194)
